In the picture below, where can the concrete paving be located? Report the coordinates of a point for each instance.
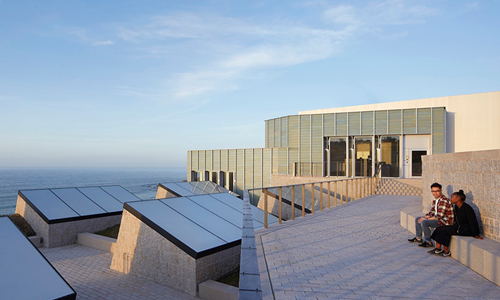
(360, 251)
(354, 251)
(87, 271)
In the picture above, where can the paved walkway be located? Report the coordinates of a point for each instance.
(87, 271)
(360, 251)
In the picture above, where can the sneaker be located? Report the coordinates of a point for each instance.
(415, 240)
(435, 251)
(444, 254)
(425, 244)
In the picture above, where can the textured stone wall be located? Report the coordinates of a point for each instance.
(477, 173)
(36, 222)
(61, 234)
(142, 251)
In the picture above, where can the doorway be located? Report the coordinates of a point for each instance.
(416, 162)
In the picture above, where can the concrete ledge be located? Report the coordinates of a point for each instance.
(97, 241)
(482, 256)
(36, 241)
(213, 290)
(408, 215)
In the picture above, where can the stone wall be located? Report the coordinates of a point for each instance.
(142, 251)
(65, 233)
(477, 174)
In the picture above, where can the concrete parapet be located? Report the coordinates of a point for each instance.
(97, 241)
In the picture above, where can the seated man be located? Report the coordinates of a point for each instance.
(441, 214)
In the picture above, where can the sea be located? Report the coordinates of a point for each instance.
(142, 182)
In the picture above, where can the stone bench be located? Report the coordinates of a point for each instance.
(482, 256)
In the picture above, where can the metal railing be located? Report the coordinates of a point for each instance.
(306, 198)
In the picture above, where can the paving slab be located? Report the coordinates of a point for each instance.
(360, 251)
(87, 271)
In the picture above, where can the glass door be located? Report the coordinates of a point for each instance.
(336, 164)
(363, 156)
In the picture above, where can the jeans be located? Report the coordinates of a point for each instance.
(425, 226)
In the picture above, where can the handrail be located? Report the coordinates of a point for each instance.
(351, 189)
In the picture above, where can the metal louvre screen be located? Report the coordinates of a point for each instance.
(284, 132)
(395, 122)
(223, 160)
(275, 161)
(216, 160)
(381, 122)
(193, 160)
(367, 123)
(328, 124)
(267, 134)
(282, 161)
(201, 159)
(270, 133)
(409, 121)
(354, 123)
(208, 159)
(232, 160)
(424, 120)
(293, 157)
(257, 168)
(438, 130)
(277, 132)
(293, 131)
(266, 166)
(248, 168)
(341, 124)
(305, 138)
(317, 138)
(240, 170)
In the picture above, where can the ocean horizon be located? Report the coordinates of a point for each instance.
(142, 182)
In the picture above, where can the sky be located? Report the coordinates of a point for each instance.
(139, 83)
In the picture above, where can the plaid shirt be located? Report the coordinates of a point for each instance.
(445, 214)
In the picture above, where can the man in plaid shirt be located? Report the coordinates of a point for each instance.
(441, 214)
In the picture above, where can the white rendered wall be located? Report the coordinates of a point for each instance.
(472, 121)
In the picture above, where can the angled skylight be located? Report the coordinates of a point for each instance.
(67, 204)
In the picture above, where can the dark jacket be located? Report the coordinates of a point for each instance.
(465, 219)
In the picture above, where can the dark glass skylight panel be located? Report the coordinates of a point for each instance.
(80, 203)
(102, 198)
(49, 204)
(120, 193)
(230, 214)
(178, 226)
(211, 221)
(70, 204)
(26, 274)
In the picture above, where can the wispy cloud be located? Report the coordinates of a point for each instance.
(227, 50)
(85, 37)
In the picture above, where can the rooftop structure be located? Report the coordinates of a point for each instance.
(58, 215)
(183, 241)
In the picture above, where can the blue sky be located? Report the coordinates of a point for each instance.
(138, 83)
